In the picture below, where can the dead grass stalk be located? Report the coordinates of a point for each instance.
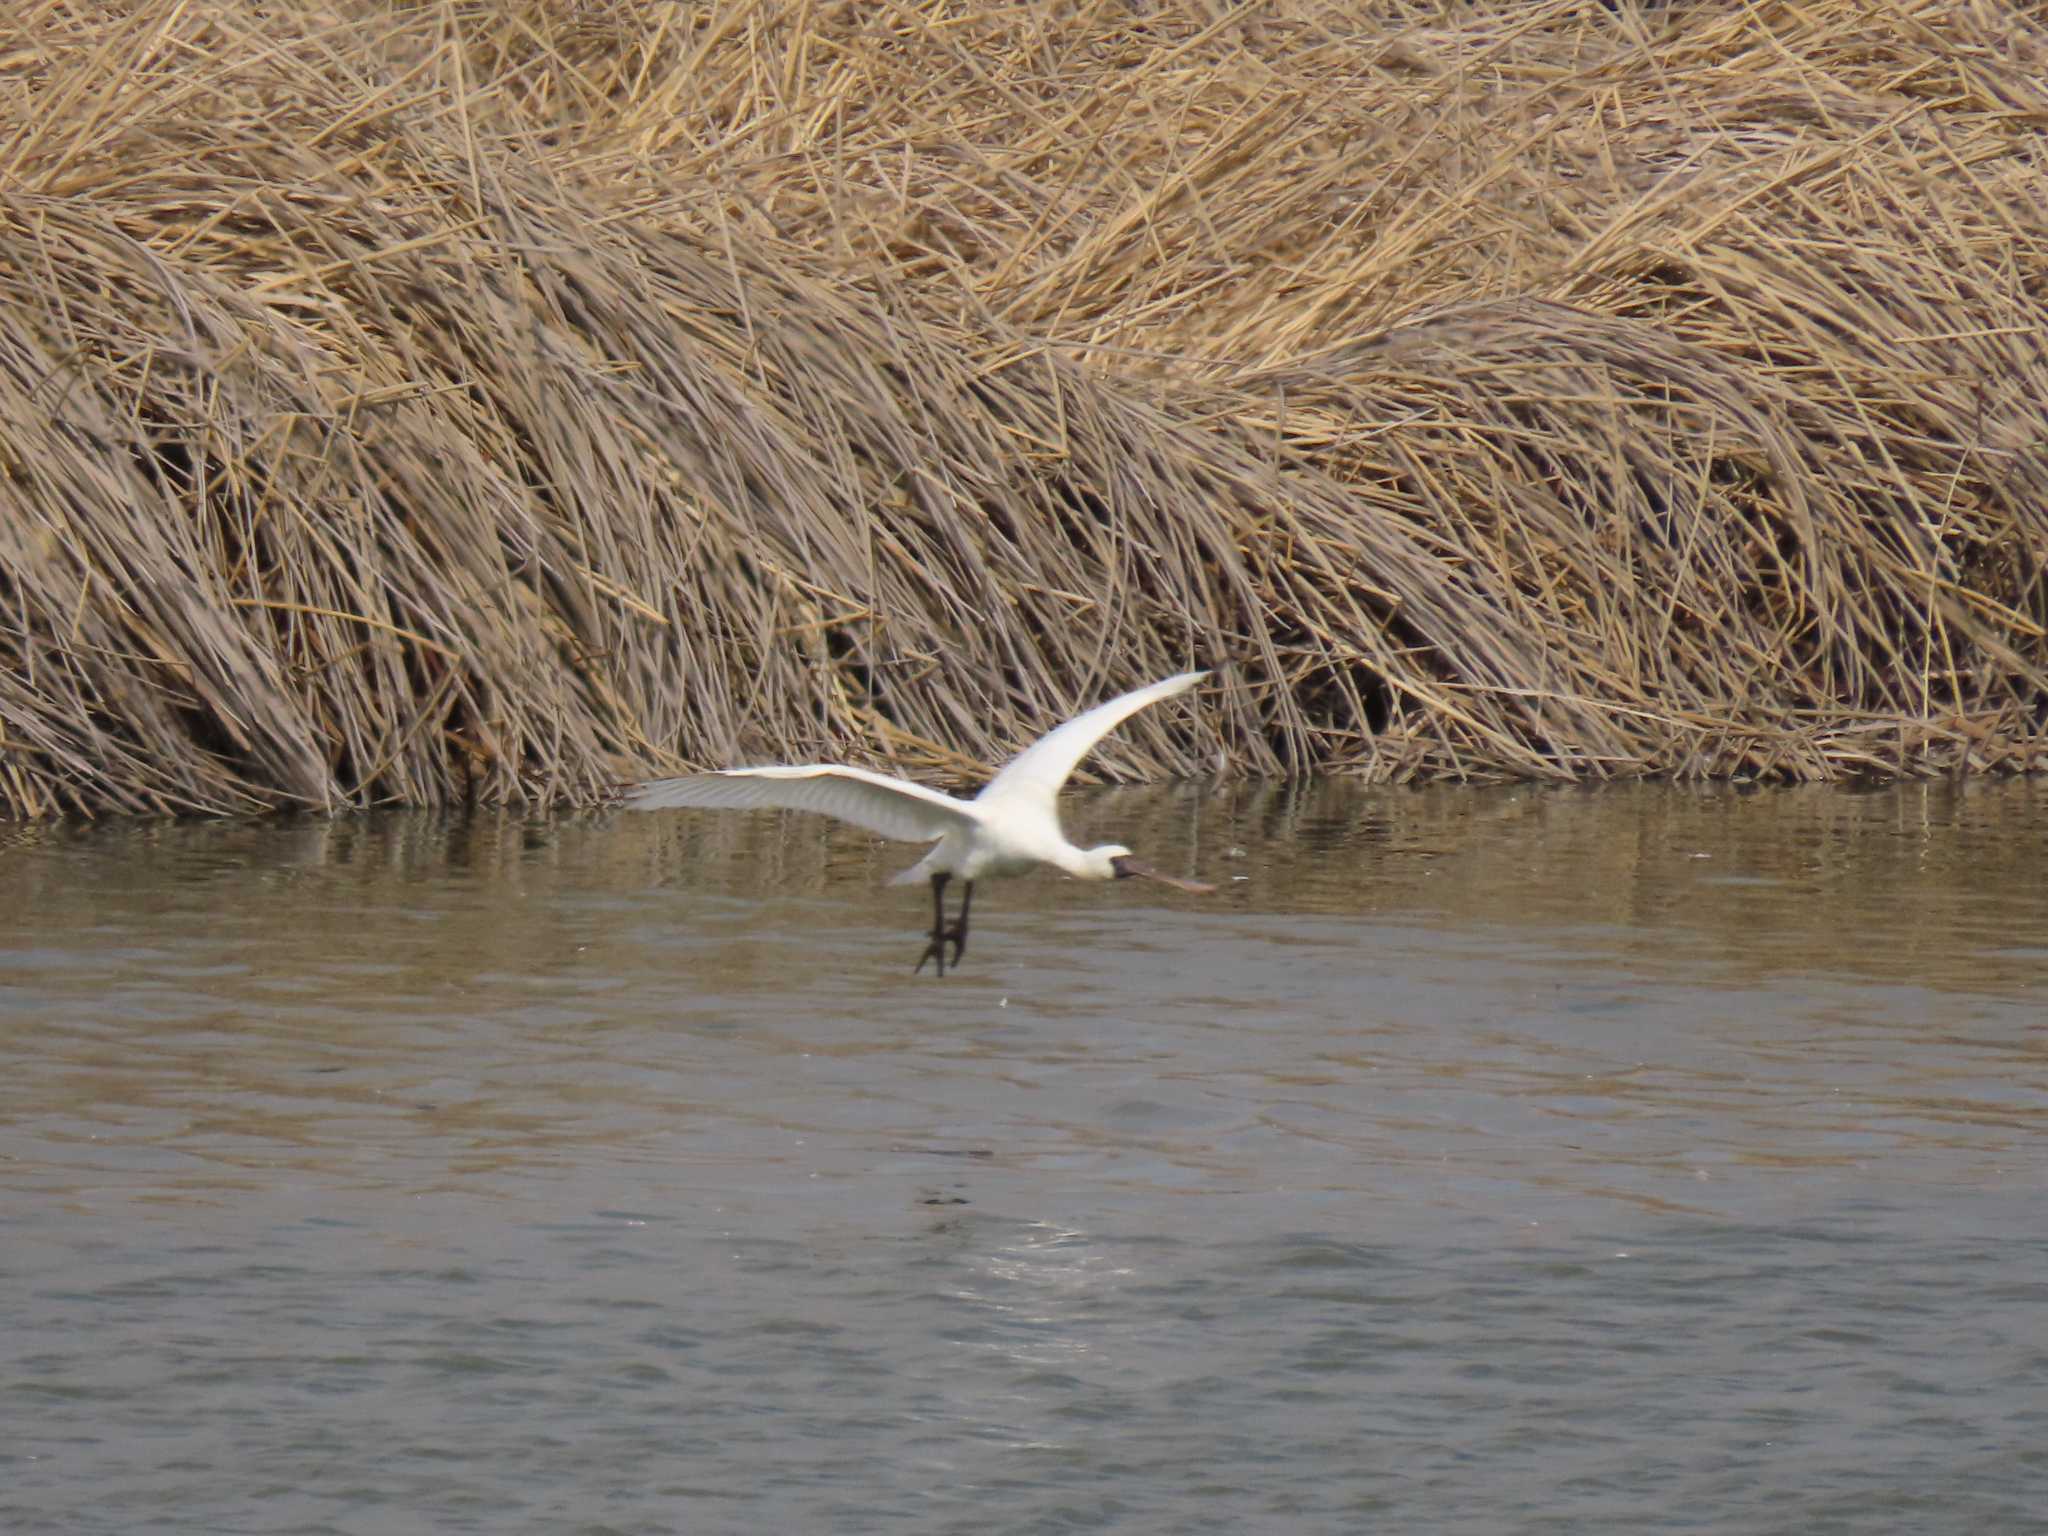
(402, 403)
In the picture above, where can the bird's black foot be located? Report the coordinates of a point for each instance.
(936, 950)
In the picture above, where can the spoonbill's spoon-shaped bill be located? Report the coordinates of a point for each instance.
(1012, 826)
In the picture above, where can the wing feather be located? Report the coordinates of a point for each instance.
(1037, 772)
(894, 808)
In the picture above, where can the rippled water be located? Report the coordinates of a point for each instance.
(1641, 1160)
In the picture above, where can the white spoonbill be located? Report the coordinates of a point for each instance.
(1012, 825)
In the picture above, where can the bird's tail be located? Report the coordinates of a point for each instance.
(917, 874)
(921, 872)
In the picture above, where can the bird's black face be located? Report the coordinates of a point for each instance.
(1123, 866)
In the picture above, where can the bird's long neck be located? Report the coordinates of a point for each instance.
(1072, 860)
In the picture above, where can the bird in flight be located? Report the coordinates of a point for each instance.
(1010, 827)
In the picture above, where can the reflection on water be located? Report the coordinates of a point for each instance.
(1500, 1160)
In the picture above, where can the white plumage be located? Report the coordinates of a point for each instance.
(1011, 826)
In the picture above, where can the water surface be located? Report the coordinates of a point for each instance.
(1639, 1160)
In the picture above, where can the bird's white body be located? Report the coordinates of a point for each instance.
(1012, 826)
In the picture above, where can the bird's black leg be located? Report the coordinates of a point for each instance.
(941, 933)
(959, 929)
(936, 950)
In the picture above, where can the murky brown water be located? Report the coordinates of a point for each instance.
(1478, 1161)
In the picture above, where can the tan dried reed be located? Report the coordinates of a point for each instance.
(402, 403)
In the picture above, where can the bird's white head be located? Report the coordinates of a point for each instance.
(1113, 861)
(1101, 863)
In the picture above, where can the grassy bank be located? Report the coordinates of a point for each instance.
(403, 403)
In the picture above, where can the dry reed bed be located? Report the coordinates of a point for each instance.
(404, 403)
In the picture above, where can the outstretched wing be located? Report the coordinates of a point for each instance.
(1036, 773)
(889, 807)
